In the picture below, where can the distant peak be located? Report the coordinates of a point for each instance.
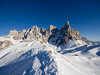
(67, 22)
(67, 25)
(23, 30)
(34, 26)
(14, 30)
(52, 27)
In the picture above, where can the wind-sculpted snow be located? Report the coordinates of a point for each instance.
(49, 52)
(38, 58)
(27, 58)
(85, 58)
(32, 62)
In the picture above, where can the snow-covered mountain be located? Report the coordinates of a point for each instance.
(53, 35)
(48, 52)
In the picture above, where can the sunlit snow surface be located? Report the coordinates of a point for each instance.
(34, 58)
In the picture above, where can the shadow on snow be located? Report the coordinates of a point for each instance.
(84, 49)
(18, 66)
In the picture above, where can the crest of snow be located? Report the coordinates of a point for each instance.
(34, 58)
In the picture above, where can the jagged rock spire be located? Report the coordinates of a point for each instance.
(52, 27)
(67, 22)
(61, 36)
(67, 25)
(13, 33)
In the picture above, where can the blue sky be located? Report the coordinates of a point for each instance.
(83, 15)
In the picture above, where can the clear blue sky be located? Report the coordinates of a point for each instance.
(83, 15)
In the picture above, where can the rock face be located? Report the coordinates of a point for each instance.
(45, 33)
(44, 39)
(37, 33)
(65, 34)
(21, 34)
(1, 44)
(17, 35)
(51, 28)
(33, 33)
(13, 33)
(53, 34)
(5, 43)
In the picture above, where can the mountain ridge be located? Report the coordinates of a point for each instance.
(66, 34)
(48, 52)
(52, 35)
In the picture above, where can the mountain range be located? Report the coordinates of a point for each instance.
(53, 35)
(52, 51)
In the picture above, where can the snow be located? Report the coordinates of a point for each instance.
(11, 39)
(27, 58)
(34, 58)
(80, 42)
(85, 58)
(69, 44)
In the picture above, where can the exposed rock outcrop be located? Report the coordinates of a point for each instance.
(51, 28)
(45, 33)
(67, 33)
(33, 33)
(5, 43)
(21, 34)
(44, 39)
(1, 44)
(13, 33)
(53, 34)
(17, 35)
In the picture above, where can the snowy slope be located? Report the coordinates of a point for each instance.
(85, 58)
(36, 58)
(27, 58)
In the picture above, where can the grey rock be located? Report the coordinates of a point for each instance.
(17, 35)
(66, 34)
(21, 35)
(33, 33)
(51, 28)
(1, 44)
(44, 39)
(53, 34)
(45, 33)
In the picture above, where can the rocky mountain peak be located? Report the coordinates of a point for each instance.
(67, 33)
(67, 25)
(23, 30)
(13, 33)
(51, 27)
(57, 36)
(35, 27)
(67, 22)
